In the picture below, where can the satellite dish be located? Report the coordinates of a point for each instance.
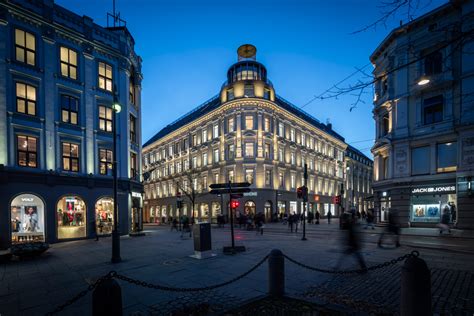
(247, 51)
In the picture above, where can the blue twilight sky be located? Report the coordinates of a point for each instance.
(188, 45)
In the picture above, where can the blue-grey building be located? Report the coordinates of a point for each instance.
(58, 71)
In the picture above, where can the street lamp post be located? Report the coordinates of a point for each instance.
(305, 200)
(115, 233)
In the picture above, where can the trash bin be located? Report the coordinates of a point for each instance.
(202, 241)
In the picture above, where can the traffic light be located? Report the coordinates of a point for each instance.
(234, 204)
(337, 200)
(299, 192)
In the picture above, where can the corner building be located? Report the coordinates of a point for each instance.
(57, 74)
(245, 133)
(424, 115)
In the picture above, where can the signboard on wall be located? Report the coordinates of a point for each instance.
(435, 189)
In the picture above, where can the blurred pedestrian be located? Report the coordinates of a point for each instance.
(369, 219)
(329, 217)
(392, 229)
(297, 222)
(318, 216)
(310, 217)
(444, 224)
(291, 222)
(174, 224)
(259, 220)
(352, 246)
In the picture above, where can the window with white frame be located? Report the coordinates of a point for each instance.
(281, 156)
(292, 134)
(204, 135)
(216, 130)
(249, 175)
(303, 139)
(266, 125)
(281, 129)
(293, 158)
(230, 124)
(230, 175)
(194, 162)
(293, 181)
(216, 155)
(281, 179)
(249, 149)
(268, 178)
(204, 159)
(230, 151)
(249, 122)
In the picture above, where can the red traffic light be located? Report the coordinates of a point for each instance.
(234, 204)
(336, 200)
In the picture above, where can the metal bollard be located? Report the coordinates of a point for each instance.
(276, 273)
(415, 296)
(107, 299)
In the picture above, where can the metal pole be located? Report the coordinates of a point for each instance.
(276, 205)
(231, 218)
(305, 200)
(115, 233)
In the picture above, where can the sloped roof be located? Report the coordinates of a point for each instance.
(214, 103)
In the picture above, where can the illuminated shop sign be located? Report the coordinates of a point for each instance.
(136, 194)
(434, 189)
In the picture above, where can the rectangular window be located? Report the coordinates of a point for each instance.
(434, 63)
(303, 139)
(230, 175)
(204, 183)
(216, 178)
(266, 94)
(420, 160)
(69, 109)
(230, 94)
(268, 177)
(68, 61)
(105, 161)
(133, 129)
(292, 134)
(105, 76)
(249, 150)
(25, 47)
(215, 130)
(267, 151)
(248, 91)
(27, 155)
(178, 167)
(194, 140)
(131, 90)
(293, 159)
(194, 162)
(25, 99)
(204, 159)
(105, 118)
(293, 181)
(281, 157)
(281, 129)
(70, 157)
(230, 151)
(249, 122)
(230, 124)
(216, 155)
(133, 166)
(249, 175)
(267, 124)
(433, 110)
(447, 157)
(281, 179)
(204, 135)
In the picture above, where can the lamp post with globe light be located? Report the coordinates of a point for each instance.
(115, 233)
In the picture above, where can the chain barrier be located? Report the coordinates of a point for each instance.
(355, 271)
(81, 294)
(114, 274)
(189, 289)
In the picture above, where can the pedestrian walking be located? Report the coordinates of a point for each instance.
(174, 224)
(329, 217)
(444, 223)
(454, 218)
(186, 227)
(352, 247)
(310, 217)
(297, 222)
(369, 219)
(291, 222)
(94, 230)
(259, 223)
(392, 229)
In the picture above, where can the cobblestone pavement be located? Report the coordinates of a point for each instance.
(33, 287)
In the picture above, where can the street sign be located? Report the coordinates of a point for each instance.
(232, 185)
(233, 190)
(250, 193)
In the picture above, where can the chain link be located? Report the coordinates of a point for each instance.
(355, 271)
(192, 289)
(81, 294)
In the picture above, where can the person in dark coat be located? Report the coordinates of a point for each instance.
(329, 217)
(392, 228)
(353, 246)
(444, 224)
(318, 216)
(291, 219)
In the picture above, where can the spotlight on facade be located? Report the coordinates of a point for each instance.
(423, 81)
(117, 107)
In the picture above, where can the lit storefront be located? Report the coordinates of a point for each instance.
(104, 216)
(71, 217)
(429, 202)
(27, 219)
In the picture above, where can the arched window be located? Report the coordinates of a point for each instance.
(104, 216)
(27, 218)
(216, 209)
(71, 217)
(249, 208)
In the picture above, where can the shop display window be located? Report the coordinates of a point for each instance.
(71, 217)
(27, 219)
(104, 216)
(426, 213)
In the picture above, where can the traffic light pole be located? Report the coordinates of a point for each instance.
(231, 218)
(305, 200)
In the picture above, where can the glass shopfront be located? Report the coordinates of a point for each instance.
(71, 217)
(104, 216)
(249, 208)
(428, 203)
(281, 208)
(293, 207)
(27, 219)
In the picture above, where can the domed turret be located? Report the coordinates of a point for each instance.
(247, 78)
